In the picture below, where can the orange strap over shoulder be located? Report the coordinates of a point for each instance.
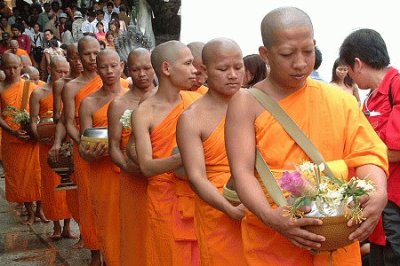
(25, 95)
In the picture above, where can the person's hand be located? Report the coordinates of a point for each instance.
(292, 229)
(373, 205)
(236, 212)
(131, 167)
(48, 140)
(54, 152)
(93, 151)
(22, 134)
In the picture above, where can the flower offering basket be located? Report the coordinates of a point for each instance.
(64, 167)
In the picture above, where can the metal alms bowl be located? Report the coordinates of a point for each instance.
(92, 135)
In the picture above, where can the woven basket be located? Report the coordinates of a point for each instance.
(335, 230)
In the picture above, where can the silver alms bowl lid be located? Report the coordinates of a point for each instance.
(96, 132)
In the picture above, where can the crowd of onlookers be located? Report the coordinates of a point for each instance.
(46, 28)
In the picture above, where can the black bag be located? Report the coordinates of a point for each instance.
(37, 53)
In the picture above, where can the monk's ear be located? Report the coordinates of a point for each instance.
(165, 68)
(263, 51)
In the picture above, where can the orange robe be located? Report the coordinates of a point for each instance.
(54, 203)
(220, 238)
(171, 238)
(104, 183)
(133, 200)
(333, 121)
(20, 158)
(202, 90)
(87, 224)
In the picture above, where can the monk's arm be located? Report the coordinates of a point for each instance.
(188, 137)
(34, 106)
(374, 204)
(57, 89)
(114, 141)
(69, 113)
(147, 164)
(241, 150)
(131, 149)
(58, 139)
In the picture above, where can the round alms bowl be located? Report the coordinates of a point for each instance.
(46, 128)
(94, 135)
(335, 230)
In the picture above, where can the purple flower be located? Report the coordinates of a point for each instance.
(292, 182)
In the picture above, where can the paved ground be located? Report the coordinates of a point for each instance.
(23, 245)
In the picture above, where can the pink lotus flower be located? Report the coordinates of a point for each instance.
(292, 182)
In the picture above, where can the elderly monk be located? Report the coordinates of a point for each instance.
(72, 95)
(54, 202)
(14, 49)
(330, 118)
(200, 137)
(76, 68)
(196, 49)
(171, 238)
(133, 184)
(104, 178)
(20, 155)
(33, 74)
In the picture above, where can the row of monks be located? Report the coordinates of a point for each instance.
(134, 203)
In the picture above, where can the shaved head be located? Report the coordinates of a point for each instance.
(214, 47)
(166, 52)
(14, 44)
(107, 53)
(57, 59)
(282, 18)
(87, 39)
(137, 53)
(10, 58)
(72, 50)
(30, 70)
(196, 48)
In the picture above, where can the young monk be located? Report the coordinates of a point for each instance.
(201, 77)
(76, 68)
(270, 237)
(171, 238)
(72, 95)
(41, 107)
(104, 178)
(20, 155)
(200, 137)
(133, 184)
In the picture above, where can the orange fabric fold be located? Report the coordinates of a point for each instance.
(357, 145)
(20, 158)
(171, 239)
(72, 199)
(54, 203)
(220, 238)
(105, 189)
(85, 91)
(202, 90)
(133, 198)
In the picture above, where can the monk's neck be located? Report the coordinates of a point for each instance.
(278, 92)
(112, 89)
(168, 94)
(8, 82)
(141, 92)
(88, 75)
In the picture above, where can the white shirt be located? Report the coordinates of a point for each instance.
(87, 27)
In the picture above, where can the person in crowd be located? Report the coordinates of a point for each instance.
(114, 27)
(109, 40)
(77, 26)
(341, 78)
(100, 18)
(24, 40)
(66, 36)
(255, 69)
(54, 49)
(318, 62)
(4, 26)
(289, 49)
(44, 16)
(366, 57)
(100, 34)
(196, 49)
(89, 25)
(122, 24)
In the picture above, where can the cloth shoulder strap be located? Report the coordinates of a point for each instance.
(25, 95)
(291, 128)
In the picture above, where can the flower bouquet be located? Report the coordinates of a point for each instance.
(125, 119)
(20, 118)
(331, 199)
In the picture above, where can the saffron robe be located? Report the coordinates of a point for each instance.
(87, 224)
(104, 183)
(202, 90)
(333, 121)
(54, 203)
(133, 213)
(220, 238)
(171, 238)
(20, 158)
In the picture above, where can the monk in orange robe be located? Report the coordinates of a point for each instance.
(196, 49)
(171, 238)
(133, 184)
(75, 70)
(2, 78)
(20, 156)
(200, 137)
(104, 178)
(14, 49)
(72, 95)
(54, 202)
(33, 74)
(333, 122)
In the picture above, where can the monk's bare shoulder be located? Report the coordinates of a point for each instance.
(73, 86)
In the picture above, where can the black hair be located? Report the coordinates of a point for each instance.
(318, 58)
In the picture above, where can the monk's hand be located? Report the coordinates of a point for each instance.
(130, 167)
(54, 152)
(48, 140)
(22, 134)
(236, 212)
(293, 229)
(372, 205)
(91, 152)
